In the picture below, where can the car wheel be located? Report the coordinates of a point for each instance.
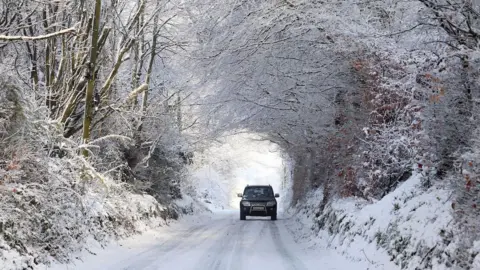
(274, 216)
(242, 215)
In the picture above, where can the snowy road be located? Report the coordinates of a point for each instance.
(220, 242)
(224, 242)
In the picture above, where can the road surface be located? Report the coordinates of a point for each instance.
(221, 242)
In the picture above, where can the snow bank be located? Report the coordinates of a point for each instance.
(409, 228)
(52, 208)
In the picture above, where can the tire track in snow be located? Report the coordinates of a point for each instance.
(238, 250)
(144, 259)
(219, 251)
(257, 236)
(235, 233)
(291, 260)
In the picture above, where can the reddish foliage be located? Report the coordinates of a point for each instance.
(358, 65)
(349, 184)
(468, 186)
(13, 165)
(368, 110)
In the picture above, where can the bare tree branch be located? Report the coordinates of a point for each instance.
(67, 31)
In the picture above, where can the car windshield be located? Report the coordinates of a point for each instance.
(258, 192)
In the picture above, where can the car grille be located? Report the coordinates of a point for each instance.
(258, 204)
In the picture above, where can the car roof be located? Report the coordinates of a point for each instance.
(258, 186)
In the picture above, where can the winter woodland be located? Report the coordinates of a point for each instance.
(106, 104)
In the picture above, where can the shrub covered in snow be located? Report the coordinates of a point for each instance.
(52, 200)
(410, 228)
(466, 198)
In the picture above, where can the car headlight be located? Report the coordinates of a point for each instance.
(246, 203)
(271, 203)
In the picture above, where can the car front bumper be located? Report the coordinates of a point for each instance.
(261, 211)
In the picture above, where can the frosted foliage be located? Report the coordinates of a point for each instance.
(50, 206)
(359, 95)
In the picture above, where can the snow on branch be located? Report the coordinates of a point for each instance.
(109, 137)
(71, 30)
(137, 91)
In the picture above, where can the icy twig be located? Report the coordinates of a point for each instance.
(364, 254)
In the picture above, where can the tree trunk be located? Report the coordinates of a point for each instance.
(88, 113)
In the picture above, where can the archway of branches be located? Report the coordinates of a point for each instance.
(314, 82)
(267, 72)
(225, 167)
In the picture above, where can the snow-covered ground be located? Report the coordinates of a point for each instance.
(216, 241)
(410, 228)
(407, 229)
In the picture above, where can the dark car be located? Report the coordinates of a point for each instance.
(258, 201)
